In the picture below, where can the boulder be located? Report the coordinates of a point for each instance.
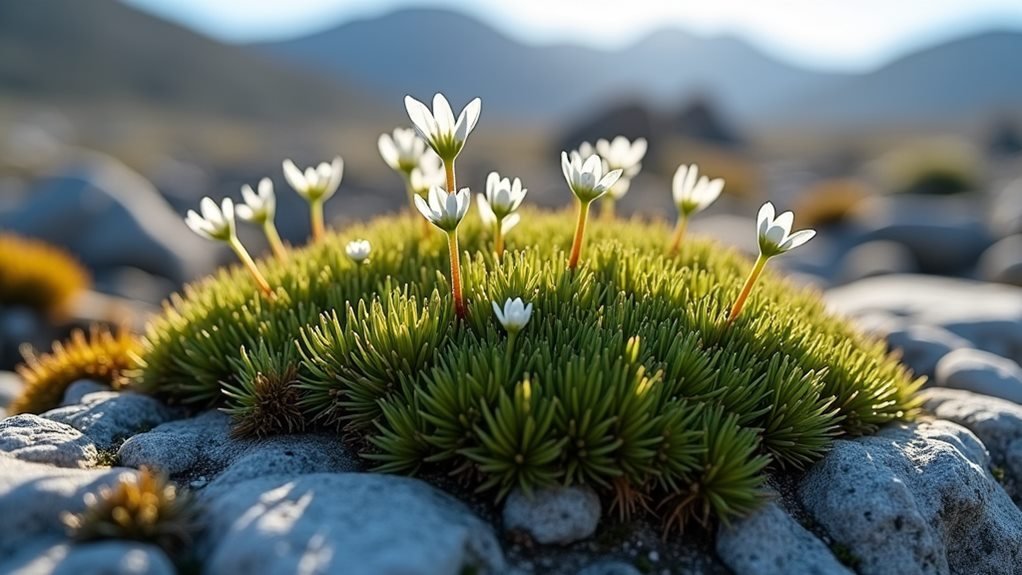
(922, 346)
(32, 438)
(108, 417)
(202, 446)
(1002, 262)
(1006, 210)
(352, 523)
(874, 258)
(988, 316)
(105, 557)
(771, 542)
(560, 515)
(915, 499)
(34, 496)
(997, 423)
(980, 372)
(77, 391)
(110, 217)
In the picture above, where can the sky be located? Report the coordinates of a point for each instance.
(828, 34)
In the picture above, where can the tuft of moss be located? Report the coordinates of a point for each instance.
(627, 378)
(142, 506)
(266, 401)
(101, 355)
(38, 275)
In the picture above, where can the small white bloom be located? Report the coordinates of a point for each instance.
(402, 150)
(694, 193)
(258, 208)
(586, 179)
(358, 250)
(503, 196)
(444, 210)
(489, 218)
(439, 128)
(216, 222)
(317, 183)
(775, 235)
(429, 173)
(621, 154)
(515, 314)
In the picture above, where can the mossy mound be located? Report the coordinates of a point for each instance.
(627, 377)
(38, 275)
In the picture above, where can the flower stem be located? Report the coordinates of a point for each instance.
(747, 289)
(410, 191)
(580, 230)
(679, 232)
(246, 259)
(316, 212)
(273, 237)
(449, 171)
(452, 245)
(498, 238)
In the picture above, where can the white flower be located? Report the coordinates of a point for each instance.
(503, 196)
(358, 250)
(775, 235)
(402, 150)
(620, 154)
(515, 314)
(489, 218)
(429, 173)
(439, 128)
(444, 210)
(317, 183)
(694, 193)
(620, 188)
(258, 208)
(216, 222)
(586, 179)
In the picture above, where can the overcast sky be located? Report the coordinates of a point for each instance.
(839, 34)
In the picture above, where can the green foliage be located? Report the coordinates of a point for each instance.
(266, 399)
(37, 275)
(138, 507)
(627, 377)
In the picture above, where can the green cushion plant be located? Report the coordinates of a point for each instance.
(634, 370)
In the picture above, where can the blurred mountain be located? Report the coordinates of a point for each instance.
(970, 79)
(101, 52)
(421, 51)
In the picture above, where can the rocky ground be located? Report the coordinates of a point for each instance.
(939, 495)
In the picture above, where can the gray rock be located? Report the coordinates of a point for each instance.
(110, 217)
(915, 499)
(10, 387)
(1002, 262)
(77, 391)
(922, 346)
(610, 568)
(1006, 210)
(33, 497)
(980, 372)
(876, 258)
(988, 315)
(108, 417)
(944, 235)
(771, 542)
(997, 423)
(559, 515)
(358, 524)
(202, 445)
(32, 438)
(106, 558)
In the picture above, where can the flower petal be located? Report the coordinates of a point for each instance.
(294, 177)
(421, 118)
(443, 114)
(765, 218)
(797, 239)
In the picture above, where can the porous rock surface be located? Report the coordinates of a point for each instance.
(558, 515)
(355, 523)
(108, 417)
(29, 437)
(915, 499)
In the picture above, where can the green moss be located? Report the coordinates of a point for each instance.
(627, 378)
